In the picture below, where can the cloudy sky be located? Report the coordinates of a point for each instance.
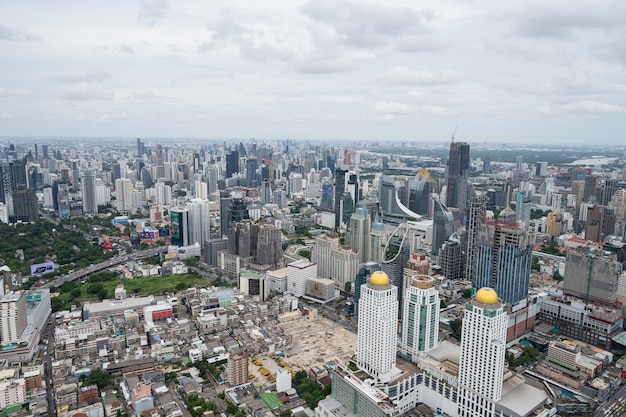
(527, 71)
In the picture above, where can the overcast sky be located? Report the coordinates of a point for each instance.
(550, 71)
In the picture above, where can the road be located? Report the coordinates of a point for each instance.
(92, 269)
(48, 337)
(615, 406)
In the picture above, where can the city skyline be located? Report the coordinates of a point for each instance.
(368, 71)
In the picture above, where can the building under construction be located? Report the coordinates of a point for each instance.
(592, 275)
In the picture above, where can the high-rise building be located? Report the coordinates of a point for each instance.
(179, 218)
(418, 265)
(457, 175)
(13, 317)
(591, 275)
(395, 256)
(346, 195)
(232, 163)
(321, 254)
(360, 224)
(266, 192)
(252, 166)
(344, 266)
(141, 148)
(443, 225)
(124, 201)
(237, 369)
(298, 274)
(25, 206)
(159, 162)
(377, 335)
(419, 194)
(378, 240)
(90, 205)
(420, 320)
(599, 222)
(366, 270)
(483, 345)
(199, 221)
(451, 258)
(504, 260)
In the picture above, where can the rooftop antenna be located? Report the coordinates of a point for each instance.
(454, 133)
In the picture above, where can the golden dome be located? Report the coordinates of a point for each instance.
(379, 278)
(486, 296)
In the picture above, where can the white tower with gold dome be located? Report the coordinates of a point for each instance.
(483, 344)
(377, 335)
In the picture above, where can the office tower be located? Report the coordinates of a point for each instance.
(232, 163)
(554, 224)
(269, 249)
(44, 151)
(199, 221)
(124, 200)
(237, 210)
(599, 222)
(344, 266)
(541, 169)
(420, 320)
(326, 201)
(457, 175)
(252, 166)
(451, 258)
(392, 194)
(360, 224)
(522, 209)
(212, 178)
(321, 254)
(483, 344)
(212, 247)
(25, 207)
(225, 221)
(366, 270)
(504, 260)
(591, 183)
(62, 199)
(116, 172)
(237, 369)
(591, 275)
(146, 177)
(179, 218)
(280, 198)
(266, 192)
(377, 335)
(6, 186)
(395, 256)
(443, 225)
(298, 274)
(141, 148)
(13, 317)
(619, 202)
(90, 205)
(346, 195)
(420, 193)
(378, 240)
(159, 162)
(476, 210)
(295, 184)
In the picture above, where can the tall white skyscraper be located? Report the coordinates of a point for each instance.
(377, 336)
(298, 274)
(360, 224)
(420, 321)
(483, 343)
(90, 205)
(124, 199)
(321, 254)
(199, 221)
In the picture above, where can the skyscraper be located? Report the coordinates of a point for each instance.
(451, 258)
(232, 163)
(366, 270)
(180, 226)
(377, 335)
(483, 344)
(160, 167)
(199, 221)
(420, 193)
(123, 189)
(504, 260)
(443, 225)
(360, 224)
(457, 175)
(420, 320)
(90, 205)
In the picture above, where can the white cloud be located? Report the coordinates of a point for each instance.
(596, 107)
(87, 91)
(406, 76)
(14, 35)
(392, 107)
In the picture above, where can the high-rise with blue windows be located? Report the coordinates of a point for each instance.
(504, 259)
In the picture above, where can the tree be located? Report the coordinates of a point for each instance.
(76, 292)
(557, 276)
(456, 326)
(347, 286)
(98, 377)
(467, 293)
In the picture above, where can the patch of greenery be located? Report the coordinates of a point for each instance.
(308, 390)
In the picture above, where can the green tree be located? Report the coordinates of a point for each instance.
(456, 326)
(98, 377)
(76, 292)
(347, 286)
(467, 293)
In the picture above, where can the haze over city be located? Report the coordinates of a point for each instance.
(529, 72)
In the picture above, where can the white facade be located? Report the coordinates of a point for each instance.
(377, 335)
(321, 254)
(483, 344)
(298, 273)
(344, 266)
(123, 189)
(283, 380)
(420, 321)
(199, 224)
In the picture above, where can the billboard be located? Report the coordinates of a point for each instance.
(40, 269)
(146, 235)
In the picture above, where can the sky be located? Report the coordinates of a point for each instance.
(548, 72)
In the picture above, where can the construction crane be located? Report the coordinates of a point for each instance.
(454, 133)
